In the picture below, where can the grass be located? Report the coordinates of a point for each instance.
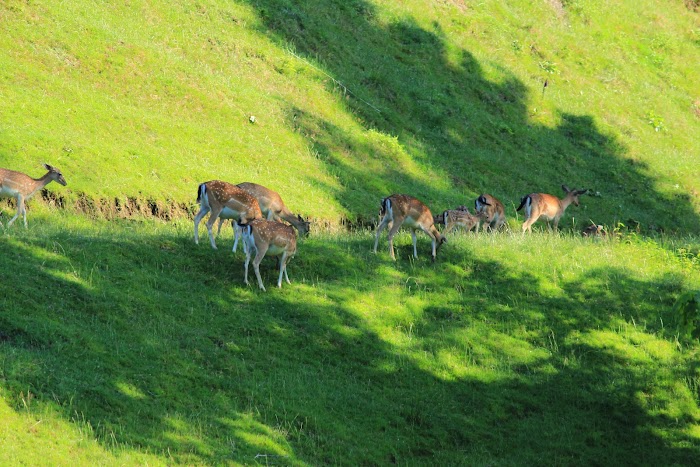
(121, 342)
(125, 342)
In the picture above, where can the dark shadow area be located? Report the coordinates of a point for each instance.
(399, 80)
(186, 360)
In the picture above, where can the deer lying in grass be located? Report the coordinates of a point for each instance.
(491, 211)
(272, 207)
(21, 187)
(399, 210)
(268, 237)
(594, 230)
(226, 201)
(548, 206)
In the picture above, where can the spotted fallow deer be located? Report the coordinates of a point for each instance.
(22, 187)
(227, 201)
(491, 211)
(399, 210)
(272, 207)
(548, 206)
(272, 238)
(454, 218)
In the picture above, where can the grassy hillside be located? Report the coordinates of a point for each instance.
(355, 100)
(123, 342)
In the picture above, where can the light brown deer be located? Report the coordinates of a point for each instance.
(22, 187)
(272, 238)
(399, 210)
(227, 201)
(491, 211)
(548, 206)
(454, 218)
(272, 207)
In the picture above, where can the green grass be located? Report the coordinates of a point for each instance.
(122, 342)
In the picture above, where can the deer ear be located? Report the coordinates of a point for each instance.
(582, 192)
(565, 188)
(47, 166)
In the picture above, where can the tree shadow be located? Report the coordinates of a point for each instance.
(453, 122)
(225, 374)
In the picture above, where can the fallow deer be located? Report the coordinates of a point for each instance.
(548, 206)
(227, 201)
(405, 210)
(492, 212)
(594, 230)
(22, 187)
(454, 218)
(269, 237)
(272, 207)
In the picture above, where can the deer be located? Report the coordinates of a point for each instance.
(453, 218)
(268, 237)
(22, 187)
(548, 206)
(224, 200)
(594, 230)
(272, 207)
(399, 210)
(491, 211)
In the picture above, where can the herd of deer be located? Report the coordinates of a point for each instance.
(257, 213)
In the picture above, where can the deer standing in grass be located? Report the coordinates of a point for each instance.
(491, 211)
(272, 238)
(548, 206)
(22, 187)
(272, 207)
(454, 218)
(399, 210)
(227, 201)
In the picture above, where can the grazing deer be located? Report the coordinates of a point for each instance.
(492, 212)
(405, 210)
(454, 218)
(268, 237)
(22, 187)
(272, 207)
(227, 201)
(552, 208)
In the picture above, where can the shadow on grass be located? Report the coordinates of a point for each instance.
(156, 343)
(453, 122)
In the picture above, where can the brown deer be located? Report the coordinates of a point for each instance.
(272, 207)
(268, 237)
(454, 218)
(227, 201)
(22, 187)
(491, 211)
(594, 230)
(548, 206)
(399, 210)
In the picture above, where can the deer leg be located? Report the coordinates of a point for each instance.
(197, 219)
(20, 203)
(256, 264)
(415, 242)
(286, 277)
(394, 228)
(283, 262)
(249, 242)
(210, 223)
(382, 226)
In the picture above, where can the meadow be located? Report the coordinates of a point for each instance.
(124, 343)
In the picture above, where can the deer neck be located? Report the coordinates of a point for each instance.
(36, 184)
